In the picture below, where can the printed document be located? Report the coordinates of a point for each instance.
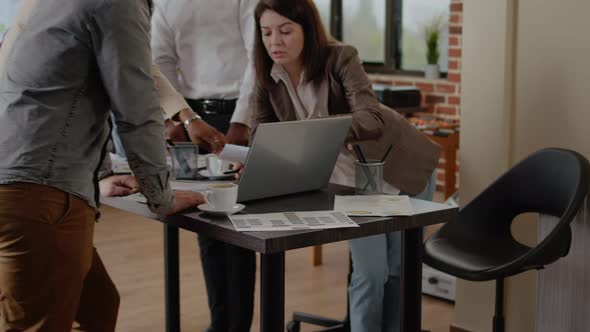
(291, 221)
(234, 153)
(374, 205)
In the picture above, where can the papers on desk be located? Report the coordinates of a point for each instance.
(137, 197)
(291, 221)
(234, 153)
(374, 205)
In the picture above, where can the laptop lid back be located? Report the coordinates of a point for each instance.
(291, 157)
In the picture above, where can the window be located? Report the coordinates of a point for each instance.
(415, 14)
(324, 9)
(7, 14)
(389, 34)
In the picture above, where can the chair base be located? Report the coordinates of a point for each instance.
(498, 323)
(331, 325)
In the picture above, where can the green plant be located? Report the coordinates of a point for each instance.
(431, 36)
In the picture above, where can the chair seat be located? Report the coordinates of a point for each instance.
(476, 259)
(479, 246)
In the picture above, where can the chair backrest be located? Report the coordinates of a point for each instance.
(551, 181)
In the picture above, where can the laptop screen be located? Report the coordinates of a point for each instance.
(291, 157)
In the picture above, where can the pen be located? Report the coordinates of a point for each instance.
(387, 153)
(363, 160)
(382, 160)
(359, 153)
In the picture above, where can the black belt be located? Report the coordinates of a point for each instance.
(213, 106)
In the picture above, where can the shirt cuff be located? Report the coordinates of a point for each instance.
(156, 188)
(159, 201)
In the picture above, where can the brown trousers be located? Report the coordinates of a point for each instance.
(50, 274)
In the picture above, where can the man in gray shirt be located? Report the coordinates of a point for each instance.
(73, 62)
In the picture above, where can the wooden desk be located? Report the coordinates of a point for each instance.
(272, 247)
(449, 145)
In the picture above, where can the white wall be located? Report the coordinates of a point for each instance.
(526, 85)
(486, 134)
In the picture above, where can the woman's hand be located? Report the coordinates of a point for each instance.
(239, 168)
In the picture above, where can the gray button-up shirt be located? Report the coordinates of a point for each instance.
(72, 63)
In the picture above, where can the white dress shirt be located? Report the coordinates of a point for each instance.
(204, 48)
(311, 102)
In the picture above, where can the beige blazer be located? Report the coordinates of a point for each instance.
(413, 157)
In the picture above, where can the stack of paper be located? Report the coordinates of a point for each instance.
(374, 205)
(291, 221)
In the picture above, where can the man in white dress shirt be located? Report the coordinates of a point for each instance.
(204, 47)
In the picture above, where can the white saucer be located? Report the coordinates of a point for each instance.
(209, 209)
(205, 173)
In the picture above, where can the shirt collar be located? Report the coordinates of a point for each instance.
(278, 73)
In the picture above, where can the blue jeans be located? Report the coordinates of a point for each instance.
(374, 289)
(119, 149)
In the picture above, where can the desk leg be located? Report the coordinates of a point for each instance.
(171, 275)
(411, 280)
(272, 292)
(316, 255)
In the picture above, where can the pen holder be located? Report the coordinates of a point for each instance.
(184, 161)
(368, 177)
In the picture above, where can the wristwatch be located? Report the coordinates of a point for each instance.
(191, 119)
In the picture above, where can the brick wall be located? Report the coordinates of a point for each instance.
(441, 97)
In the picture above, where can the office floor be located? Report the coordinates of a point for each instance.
(131, 248)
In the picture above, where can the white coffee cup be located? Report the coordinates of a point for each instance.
(222, 196)
(216, 166)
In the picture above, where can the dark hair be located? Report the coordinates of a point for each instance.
(315, 47)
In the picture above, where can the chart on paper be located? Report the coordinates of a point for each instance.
(374, 205)
(291, 221)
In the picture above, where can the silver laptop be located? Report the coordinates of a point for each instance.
(291, 157)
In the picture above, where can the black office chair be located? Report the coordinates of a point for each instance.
(479, 246)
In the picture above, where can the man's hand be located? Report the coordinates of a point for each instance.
(118, 185)
(185, 200)
(206, 136)
(201, 133)
(173, 132)
(238, 133)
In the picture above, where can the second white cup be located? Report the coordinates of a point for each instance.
(222, 196)
(216, 166)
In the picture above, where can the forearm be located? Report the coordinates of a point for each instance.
(145, 148)
(366, 125)
(171, 101)
(124, 59)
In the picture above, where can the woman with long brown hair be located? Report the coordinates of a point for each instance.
(303, 73)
